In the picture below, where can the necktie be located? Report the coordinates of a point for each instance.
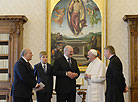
(69, 61)
(44, 68)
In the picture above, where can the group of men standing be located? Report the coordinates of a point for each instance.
(66, 71)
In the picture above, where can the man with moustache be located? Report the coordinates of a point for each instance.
(24, 80)
(66, 72)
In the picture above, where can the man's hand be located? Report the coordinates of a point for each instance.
(126, 89)
(37, 85)
(72, 75)
(87, 76)
(69, 73)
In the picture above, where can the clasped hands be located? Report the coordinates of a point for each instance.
(71, 75)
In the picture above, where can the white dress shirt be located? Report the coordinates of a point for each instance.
(45, 66)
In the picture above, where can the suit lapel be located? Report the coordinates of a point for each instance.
(27, 65)
(40, 68)
(47, 67)
(109, 69)
(28, 68)
(66, 62)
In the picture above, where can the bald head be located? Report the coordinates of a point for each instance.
(24, 51)
(27, 54)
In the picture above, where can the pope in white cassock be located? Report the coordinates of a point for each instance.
(95, 76)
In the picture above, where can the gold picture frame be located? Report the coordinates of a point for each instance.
(50, 8)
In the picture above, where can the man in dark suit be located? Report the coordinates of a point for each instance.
(115, 81)
(44, 73)
(24, 80)
(66, 72)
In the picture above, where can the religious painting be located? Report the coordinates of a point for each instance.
(76, 16)
(78, 23)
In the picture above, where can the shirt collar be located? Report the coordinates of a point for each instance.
(25, 59)
(66, 57)
(111, 56)
(43, 64)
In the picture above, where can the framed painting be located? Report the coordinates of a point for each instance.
(79, 23)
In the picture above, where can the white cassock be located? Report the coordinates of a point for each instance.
(96, 85)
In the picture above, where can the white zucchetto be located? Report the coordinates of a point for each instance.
(94, 52)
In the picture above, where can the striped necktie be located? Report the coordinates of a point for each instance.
(44, 68)
(69, 61)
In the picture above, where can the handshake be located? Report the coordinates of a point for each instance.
(39, 87)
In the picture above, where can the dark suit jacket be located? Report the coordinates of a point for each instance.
(24, 79)
(45, 78)
(63, 83)
(115, 81)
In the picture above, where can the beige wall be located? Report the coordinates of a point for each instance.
(34, 29)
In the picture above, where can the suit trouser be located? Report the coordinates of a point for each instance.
(44, 97)
(66, 97)
(114, 96)
(21, 99)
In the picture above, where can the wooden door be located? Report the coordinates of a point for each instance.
(133, 55)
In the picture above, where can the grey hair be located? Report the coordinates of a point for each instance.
(110, 48)
(66, 47)
(24, 51)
